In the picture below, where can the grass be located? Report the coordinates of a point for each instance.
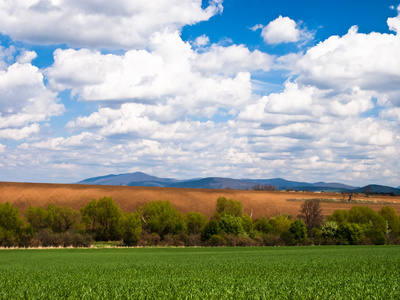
(328, 272)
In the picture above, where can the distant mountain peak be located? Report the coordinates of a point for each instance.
(142, 179)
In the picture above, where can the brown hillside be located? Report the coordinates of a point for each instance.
(185, 200)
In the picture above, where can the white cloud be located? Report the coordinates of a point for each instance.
(169, 73)
(233, 59)
(283, 30)
(26, 57)
(110, 24)
(394, 23)
(201, 41)
(82, 140)
(20, 133)
(24, 98)
(256, 27)
(369, 62)
(391, 113)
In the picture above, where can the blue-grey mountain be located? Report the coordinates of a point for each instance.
(142, 179)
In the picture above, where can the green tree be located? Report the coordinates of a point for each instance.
(103, 219)
(36, 216)
(280, 223)
(60, 218)
(247, 223)
(231, 224)
(195, 222)
(262, 225)
(330, 229)
(339, 216)
(351, 233)
(298, 229)
(209, 230)
(373, 224)
(392, 219)
(160, 217)
(11, 225)
(132, 228)
(228, 206)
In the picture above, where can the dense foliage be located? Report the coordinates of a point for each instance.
(331, 272)
(158, 223)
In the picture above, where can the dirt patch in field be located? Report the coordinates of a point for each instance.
(259, 203)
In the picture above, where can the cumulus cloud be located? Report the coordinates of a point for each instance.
(19, 133)
(394, 23)
(170, 72)
(24, 99)
(77, 141)
(369, 62)
(233, 59)
(283, 30)
(201, 41)
(117, 24)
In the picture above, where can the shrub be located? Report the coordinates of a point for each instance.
(215, 241)
(288, 238)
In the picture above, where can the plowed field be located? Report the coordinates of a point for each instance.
(258, 203)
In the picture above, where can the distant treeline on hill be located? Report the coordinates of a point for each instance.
(158, 223)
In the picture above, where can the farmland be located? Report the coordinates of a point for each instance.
(362, 272)
(260, 203)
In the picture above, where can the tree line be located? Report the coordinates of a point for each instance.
(158, 223)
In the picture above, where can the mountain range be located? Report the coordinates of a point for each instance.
(142, 179)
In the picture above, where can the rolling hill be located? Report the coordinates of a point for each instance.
(129, 198)
(378, 189)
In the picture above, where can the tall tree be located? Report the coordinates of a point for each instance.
(161, 217)
(311, 213)
(228, 206)
(195, 222)
(11, 225)
(103, 219)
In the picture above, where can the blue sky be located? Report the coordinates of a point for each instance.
(303, 90)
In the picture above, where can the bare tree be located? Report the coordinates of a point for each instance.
(311, 213)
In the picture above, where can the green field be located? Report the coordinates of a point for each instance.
(328, 272)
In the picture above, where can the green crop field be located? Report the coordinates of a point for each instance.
(328, 272)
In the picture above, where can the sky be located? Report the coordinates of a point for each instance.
(301, 90)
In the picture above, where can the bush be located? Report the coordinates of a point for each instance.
(288, 238)
(273, 240)
(215, 241)
(245, 241)
(193, 240)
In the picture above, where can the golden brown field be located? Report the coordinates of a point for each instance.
(185, 200)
